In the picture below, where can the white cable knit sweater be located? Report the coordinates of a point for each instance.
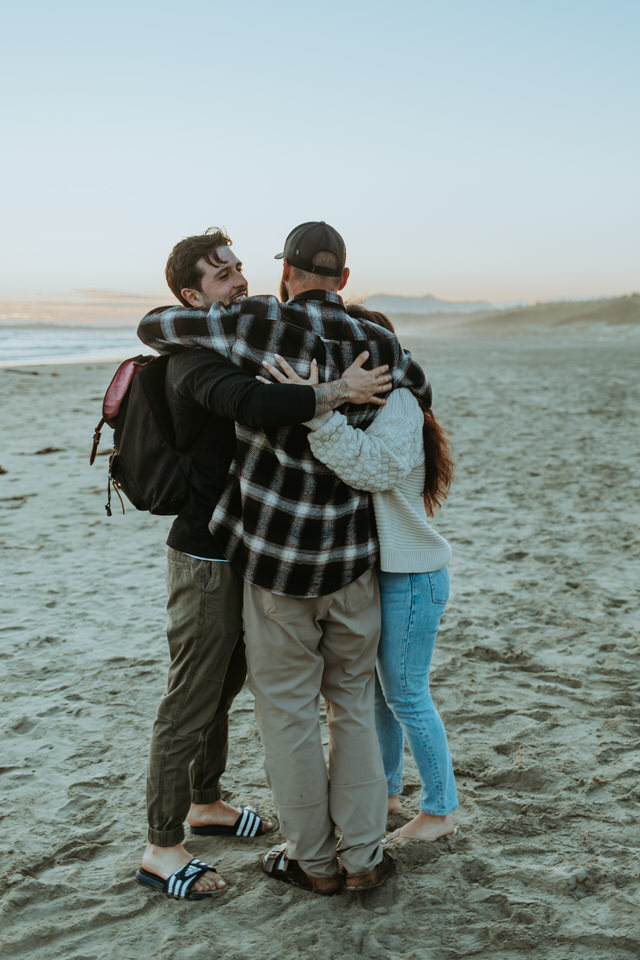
(388, 460)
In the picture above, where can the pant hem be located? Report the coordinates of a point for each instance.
(322, 871)
(206, 796)
(439, 813)
(165, 838)
(361, 864)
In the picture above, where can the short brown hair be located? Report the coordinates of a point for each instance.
(323, 258)
(182, 270)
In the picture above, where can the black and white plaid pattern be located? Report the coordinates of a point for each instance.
(285, 521)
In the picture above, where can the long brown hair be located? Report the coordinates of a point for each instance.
(438, 458)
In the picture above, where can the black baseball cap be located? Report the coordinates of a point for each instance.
(310, 238)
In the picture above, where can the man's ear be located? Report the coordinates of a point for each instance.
(344, 278)
(193, 297)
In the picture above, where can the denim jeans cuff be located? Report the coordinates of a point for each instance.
(440, 811)
(206, 796)
(166, 838)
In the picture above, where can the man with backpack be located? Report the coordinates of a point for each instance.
(305, 544)
(205, 393)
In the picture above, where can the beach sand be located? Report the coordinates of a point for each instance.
(535, 675)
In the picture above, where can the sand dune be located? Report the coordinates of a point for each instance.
(614, 316)
(536, 676)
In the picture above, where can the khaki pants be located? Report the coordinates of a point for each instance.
(298, 651)
(189, 742)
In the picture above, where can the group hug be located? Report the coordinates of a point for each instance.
(304, 561)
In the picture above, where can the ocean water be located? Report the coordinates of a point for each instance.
(44, 344)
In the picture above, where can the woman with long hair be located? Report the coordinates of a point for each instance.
(404, 459)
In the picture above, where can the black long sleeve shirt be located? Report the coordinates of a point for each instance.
(206, 394)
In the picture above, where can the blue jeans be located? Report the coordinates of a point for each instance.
(412, 605)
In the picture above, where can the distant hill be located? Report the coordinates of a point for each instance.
(606, 317)
(387, 303)
(610, 312)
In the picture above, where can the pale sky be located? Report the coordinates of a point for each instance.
(471, 150)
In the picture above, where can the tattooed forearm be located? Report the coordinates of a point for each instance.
(330, 395)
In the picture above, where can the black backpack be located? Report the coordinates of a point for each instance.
(144, 463)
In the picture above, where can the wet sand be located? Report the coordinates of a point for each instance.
(536, 677)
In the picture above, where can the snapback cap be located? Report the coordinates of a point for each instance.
(310, 238)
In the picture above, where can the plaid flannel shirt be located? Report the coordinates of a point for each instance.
(285, 521)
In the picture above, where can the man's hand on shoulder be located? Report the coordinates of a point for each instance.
(356, 385)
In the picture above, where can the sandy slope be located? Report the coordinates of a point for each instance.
(607, 318)
(536, 677)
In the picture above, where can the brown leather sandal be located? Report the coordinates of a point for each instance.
(371, 878)
(277, 865)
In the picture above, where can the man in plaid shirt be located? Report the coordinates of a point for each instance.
(306, 547)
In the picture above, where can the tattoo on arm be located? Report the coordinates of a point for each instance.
(330, 395)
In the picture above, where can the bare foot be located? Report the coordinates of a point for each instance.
(217, 814)
(424, 827)
(163, 861)
(394, 804)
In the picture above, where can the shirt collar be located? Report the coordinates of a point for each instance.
(326, 296)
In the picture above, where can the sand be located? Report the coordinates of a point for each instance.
(536, 677)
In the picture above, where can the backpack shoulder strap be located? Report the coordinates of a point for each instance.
(152, 381)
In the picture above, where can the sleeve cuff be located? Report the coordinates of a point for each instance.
(320, 421)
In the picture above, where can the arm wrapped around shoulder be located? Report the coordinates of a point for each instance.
(375, 459)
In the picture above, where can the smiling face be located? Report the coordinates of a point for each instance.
(222, 281)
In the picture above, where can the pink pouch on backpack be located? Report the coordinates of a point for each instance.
(117, 389)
